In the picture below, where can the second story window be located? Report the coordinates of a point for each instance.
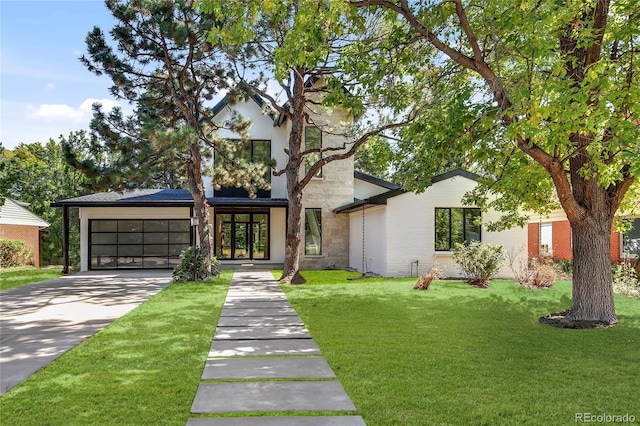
(312, 140)
(254, 151)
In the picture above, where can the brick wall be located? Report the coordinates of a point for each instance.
(533, 231)
(561, 241)
(29, 234)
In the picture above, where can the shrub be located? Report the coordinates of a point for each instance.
(193, 266)
(544, 275)
(14, 253)
(479, 262)
(434, 273)
(626, 280)
(534, 273)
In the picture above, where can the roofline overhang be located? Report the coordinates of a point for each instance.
(375, 201)
(122, 204)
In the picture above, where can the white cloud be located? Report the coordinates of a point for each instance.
(80, 114)
(51, 86)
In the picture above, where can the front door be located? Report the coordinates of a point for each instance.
(241, 236)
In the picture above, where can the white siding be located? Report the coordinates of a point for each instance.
(13, 213)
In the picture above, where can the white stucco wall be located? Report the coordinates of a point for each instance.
(87, 213)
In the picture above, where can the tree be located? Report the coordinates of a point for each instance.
(164, 65)
(308, 48)
(39, 175)
(547, 97)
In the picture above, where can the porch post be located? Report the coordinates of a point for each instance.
(65, 239)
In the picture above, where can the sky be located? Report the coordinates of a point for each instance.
(45, 91)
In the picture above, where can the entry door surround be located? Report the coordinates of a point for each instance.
(242, 234)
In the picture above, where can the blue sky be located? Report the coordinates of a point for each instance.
(45, 91)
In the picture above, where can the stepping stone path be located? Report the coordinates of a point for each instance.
(262, 359)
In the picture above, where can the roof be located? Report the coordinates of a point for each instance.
(162, 197)
(375, 181)
(453, 173)
(134, 198)
(13, 212)
(256, 98)
(395, 190)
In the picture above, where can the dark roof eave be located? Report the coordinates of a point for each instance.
(155, 203)
(375, 181)
(377, 200)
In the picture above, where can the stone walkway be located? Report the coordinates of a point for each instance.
(262, 359)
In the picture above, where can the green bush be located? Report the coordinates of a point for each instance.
(14, 253)
(479, 262)
(193, 267)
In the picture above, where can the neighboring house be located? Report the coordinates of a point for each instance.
(398, 233)
(149, 228)
(551, 236)
(18, 223)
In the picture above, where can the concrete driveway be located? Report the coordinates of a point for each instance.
(40, 322)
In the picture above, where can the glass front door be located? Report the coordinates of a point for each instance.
(242, 236)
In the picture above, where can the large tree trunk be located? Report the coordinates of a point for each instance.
(200, 206)
(592, 296)
(291, 272)
(592, 282)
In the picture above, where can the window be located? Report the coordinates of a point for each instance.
(631, 239)
(313, 232)
(456, 225)
(254, 151)
(242, 235)
(312, 140)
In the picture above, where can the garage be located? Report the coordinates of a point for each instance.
(137, 243)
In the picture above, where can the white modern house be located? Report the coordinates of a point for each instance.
(350, 219)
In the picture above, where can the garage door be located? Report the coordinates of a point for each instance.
(137, 244)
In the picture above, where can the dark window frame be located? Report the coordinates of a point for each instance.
(451, 243)
(306, 230)
(171, 259)
(251, 213)
(235, 192)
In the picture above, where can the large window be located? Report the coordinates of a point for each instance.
(312, 140)
(631, 239)
(242, 235)
(456, 225)
(254, 151)
(153, 243)
(313, 232)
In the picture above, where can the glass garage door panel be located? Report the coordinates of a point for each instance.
(137, 244)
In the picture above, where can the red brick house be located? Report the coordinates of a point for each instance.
(18, 223)
(551, 236)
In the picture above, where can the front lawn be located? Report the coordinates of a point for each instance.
(143, 369)
(456, 355)
(16, 277)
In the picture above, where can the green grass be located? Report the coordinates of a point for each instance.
(16, 277)
(458, 355)
(143, 369)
